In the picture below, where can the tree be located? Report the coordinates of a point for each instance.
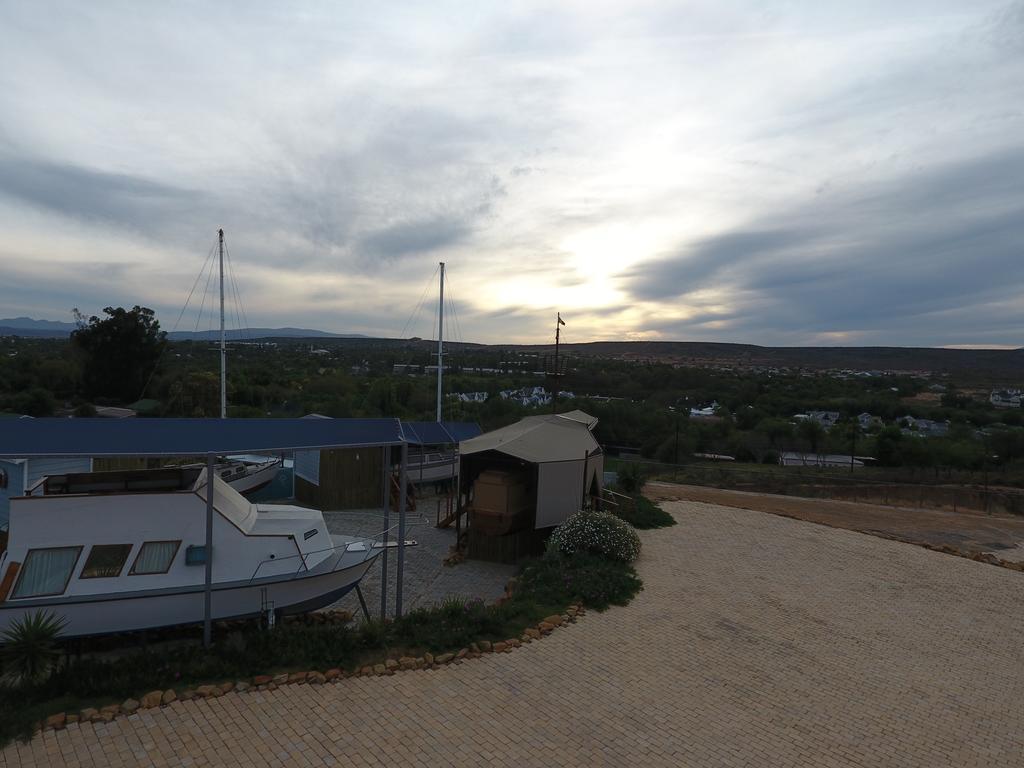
(34, 402)
(119, 352)
(778, 431)
(811, 431)
(888, 447)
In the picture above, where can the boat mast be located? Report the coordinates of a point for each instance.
(223, 347)
(440, 352)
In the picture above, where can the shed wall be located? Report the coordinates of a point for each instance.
(307, 466)
(559, 491)
(346, 479)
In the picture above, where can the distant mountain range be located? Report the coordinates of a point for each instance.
(53, 329)
(26, 326)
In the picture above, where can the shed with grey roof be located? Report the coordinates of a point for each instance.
(556, 457)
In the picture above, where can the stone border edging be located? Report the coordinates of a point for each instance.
(163, 698)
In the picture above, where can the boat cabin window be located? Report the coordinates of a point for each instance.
(46, 571)
(105, 561)
(155, 557)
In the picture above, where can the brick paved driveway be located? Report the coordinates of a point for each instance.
(758, 641)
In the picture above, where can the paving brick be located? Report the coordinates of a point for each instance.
(757, 640)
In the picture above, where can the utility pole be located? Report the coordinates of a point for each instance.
(853, 448)
(559, 322)
(677, 439)
(440, 351)
(223, 347)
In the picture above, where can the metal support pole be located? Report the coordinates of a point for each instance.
(586, 461)
(403, 479)
(386, 473)
(362, 602)
(223, 345)
(208, 589)
(440, 347)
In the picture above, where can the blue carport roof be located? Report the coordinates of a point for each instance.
(439, 433)
(26, 438)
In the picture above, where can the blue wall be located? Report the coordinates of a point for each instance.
(15, 484)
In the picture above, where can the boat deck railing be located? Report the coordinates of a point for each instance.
(345, 548)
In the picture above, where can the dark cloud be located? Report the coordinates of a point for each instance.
(111, 198)
(883, 258)
(411, 238)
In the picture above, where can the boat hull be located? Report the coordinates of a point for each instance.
(260, 476)
(152, 609)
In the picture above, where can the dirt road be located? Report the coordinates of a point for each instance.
(1002, 536)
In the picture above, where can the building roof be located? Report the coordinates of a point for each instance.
(430, 432)
(439, 433)
(189, 437)
(537, 439)
(578, 415)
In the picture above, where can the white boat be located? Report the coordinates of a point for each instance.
(246, 475)
(123, 551)
(427, 466)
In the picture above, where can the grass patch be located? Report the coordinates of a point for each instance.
(543, 587)
(643, 513)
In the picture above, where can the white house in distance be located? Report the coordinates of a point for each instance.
(869, 422)
(922, 427)
(827, 419)
(707, 412)
(1005, 398)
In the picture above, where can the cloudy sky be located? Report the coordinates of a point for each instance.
(800, 172)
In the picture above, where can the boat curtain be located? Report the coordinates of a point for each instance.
(155, 557)
(46, 571)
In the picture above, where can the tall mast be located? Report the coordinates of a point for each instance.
(223, 347)
(440, 352)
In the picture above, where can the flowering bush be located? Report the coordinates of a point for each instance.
(599, 533)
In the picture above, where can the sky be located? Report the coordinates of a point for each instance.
(778, 173)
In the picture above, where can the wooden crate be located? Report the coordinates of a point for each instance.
(500, 503)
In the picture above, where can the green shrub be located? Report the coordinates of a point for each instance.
(599, 533)
(643, 513)
(30, 650)
(454, 623)
(593, 580)
(630, 477)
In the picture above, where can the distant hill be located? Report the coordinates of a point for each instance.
(53, 329)
(261, 333)
(1000, 363)
(40, 329)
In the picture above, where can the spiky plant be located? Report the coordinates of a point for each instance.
(29, 649)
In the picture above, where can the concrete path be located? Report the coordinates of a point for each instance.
(758, 641)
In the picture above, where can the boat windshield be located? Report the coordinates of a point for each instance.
(121, 481)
